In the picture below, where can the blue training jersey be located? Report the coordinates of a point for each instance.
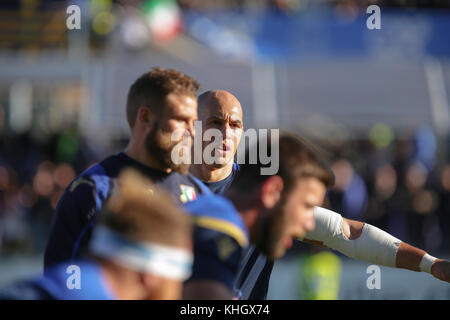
(220, 238)
(77, 209)
(80, 280)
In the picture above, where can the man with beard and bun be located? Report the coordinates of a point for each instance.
(161, 110)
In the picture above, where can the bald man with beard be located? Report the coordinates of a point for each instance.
(222, 111)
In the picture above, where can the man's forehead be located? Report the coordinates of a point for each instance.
(220, 104)
(309, 184)
(222, 115)
(179, 98)
(181, 103)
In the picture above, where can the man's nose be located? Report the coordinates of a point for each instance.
(227, 133)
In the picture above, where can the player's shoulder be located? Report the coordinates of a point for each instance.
(215, 212)
(51, 286)
(215, 206)
(82, 274)
(89, 189)
(95, 177)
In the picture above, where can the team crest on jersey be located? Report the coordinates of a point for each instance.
(187, 193)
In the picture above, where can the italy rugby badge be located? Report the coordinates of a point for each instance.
(187, 193)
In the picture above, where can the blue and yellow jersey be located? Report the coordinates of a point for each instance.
(80, 280)
(220, 238)
(77, 209)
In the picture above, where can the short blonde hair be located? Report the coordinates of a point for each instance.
(151, 89)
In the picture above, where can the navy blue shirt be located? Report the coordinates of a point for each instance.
(77, 209)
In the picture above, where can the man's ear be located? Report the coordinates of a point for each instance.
(145, 115)
(271, 191)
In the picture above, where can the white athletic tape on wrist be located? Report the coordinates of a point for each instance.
(158, 259)
(426, 263)
(373, 245)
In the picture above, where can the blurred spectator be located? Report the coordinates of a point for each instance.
(349, 195)
(33, 175)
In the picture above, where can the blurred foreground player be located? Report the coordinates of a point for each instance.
(161, 110)
(141, 249)
(273, 208)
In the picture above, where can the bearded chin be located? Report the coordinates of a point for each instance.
(160, 146)
(182, 168)
(265, 234)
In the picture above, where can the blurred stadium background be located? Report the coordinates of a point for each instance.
(375, 100)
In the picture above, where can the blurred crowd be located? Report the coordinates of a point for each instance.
(402, 186)
(296, 5)
(37, 24)
(33, 175)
